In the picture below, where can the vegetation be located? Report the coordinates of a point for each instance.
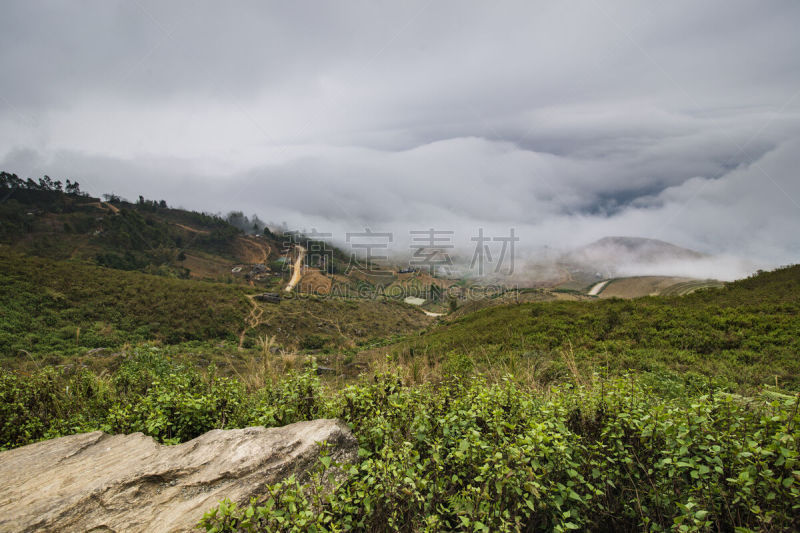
(629, 453)
(623, 455)
(744, 335)
(65, 308)
(57, 310)
(44, 220)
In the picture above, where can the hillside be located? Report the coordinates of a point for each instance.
(44, 219)
(743, 335)
(636, 286)
(148, 236)
(58, 308)
(528, 408)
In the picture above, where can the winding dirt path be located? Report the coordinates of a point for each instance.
(253, 320)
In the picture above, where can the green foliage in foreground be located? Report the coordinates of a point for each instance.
(166, 400)
(475, 457)
(631, 453)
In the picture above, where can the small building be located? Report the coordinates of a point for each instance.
(268, 297)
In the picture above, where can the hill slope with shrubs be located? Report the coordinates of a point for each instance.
(65, 307)
(746, 334)
(59, 309)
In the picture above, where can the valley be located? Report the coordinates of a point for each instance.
(173, 323)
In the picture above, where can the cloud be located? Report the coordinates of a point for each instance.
(567, 121)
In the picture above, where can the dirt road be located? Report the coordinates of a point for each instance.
(297, 269)
(597, 287)
(193, 230)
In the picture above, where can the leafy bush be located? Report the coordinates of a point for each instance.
(179, 407)
(294, 398)
(641, 451)
(470, 456)
(49, 404)
(148, 393)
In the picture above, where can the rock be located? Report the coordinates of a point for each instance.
(100, 482)
(325, 370)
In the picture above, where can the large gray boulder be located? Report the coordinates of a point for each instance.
(100, 482)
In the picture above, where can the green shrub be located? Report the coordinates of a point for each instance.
(312, 342)
(50, 403)
(296, 397)
(643, 451)
(180, 407)
(472, 456)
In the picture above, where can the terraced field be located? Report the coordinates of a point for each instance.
(638, 286)
(688, 287)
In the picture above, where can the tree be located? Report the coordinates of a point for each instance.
(453, 304)
(73, 188)
(11, 181)
(435, 292)
(45, 183)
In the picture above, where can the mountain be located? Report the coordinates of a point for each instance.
(634, 249)
(612, 254)
(46, 220)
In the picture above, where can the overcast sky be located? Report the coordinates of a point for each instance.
(568, 120)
